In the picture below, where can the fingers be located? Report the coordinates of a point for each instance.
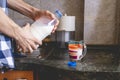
(28, 47)
(56, 21)
(36, 41)
(30, 50)
(27, 26)
(49, 14)
(33, 45)
(56, 25)
(52, 16)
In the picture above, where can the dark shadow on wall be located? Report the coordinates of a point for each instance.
(76, 8)
(118, 21)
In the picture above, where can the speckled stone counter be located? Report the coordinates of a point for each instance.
(96, 65)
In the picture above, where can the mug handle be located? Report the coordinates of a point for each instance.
(84, 49)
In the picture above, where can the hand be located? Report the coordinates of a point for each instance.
(48, 14)
(26, 41)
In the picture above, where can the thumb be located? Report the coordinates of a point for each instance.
(27, 25)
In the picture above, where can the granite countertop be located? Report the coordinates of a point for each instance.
(94, 61)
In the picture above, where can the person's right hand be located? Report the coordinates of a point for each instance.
(40, 13)
(26, 42)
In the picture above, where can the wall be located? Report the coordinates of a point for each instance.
(102, 18)
(71, 7)
(100, 22)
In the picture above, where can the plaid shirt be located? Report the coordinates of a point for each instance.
(6, 58)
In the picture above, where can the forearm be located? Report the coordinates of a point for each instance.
(7, 26)
(23, 8)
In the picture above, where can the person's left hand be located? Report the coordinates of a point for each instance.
(39, 13)
(27, 42)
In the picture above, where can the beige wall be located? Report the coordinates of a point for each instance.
(71, 7)
(100, 22)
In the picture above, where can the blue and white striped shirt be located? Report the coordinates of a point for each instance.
(6, 57)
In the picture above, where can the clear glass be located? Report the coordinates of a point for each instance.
(77, 50)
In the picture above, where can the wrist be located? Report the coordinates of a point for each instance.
(17, 31)
(36, 14)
